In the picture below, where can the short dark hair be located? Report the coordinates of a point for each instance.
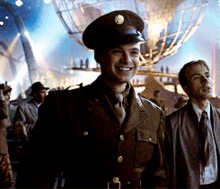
(5, 88)
(156, 92)
(182, 73)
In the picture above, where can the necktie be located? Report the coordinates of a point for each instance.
(118, 107)
(204, 139)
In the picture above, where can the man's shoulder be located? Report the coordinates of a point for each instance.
(177, 112)
(217, 110)
(26, 103)
(66, 95)
(148, 103)
(177, 115)
(69, 92)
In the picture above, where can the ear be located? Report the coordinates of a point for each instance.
(97, 55)
(185, 88)
(35, 95)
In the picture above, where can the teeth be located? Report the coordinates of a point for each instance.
(125, 69)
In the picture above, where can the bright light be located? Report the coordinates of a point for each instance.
(139, 89)
(38, 51)
(1, 23)
(37, 48)
(47, 1)
(19, 78)
(6, 17)
(12, 45)
(190, 58)
(18, 3)
(27, 34)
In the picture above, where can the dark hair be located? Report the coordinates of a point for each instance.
(5, 88)
(182, 73)
(156, 92)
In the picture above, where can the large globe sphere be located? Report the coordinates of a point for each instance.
(168, 23)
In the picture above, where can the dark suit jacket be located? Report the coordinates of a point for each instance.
(184, 147)
(78, 133)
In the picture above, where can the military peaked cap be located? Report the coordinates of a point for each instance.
(112, 29)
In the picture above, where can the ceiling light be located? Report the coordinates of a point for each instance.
(18, 3)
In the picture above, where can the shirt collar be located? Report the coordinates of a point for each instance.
(110, 93)
(199, 111)
(37, 104)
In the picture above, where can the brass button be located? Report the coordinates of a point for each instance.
(120, 159)
(95, 99)
(116, 180)
(85, 133)
(150, 139)
(122, 137)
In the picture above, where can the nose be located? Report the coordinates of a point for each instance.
(126, 57)
(205, 80)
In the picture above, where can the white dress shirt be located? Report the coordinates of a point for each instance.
(210, 173)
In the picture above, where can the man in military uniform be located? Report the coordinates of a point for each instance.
(102, 135)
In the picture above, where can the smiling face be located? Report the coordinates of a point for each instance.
(119, 64)
(199, 83)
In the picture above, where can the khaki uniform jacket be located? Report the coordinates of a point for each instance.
(78, 133)
(184, 147)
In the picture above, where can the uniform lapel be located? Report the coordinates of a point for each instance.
(100, 106)
(136, 115)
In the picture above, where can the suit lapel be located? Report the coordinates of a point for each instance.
(33, 110)
(215, 118)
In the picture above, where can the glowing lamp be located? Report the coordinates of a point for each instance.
(18, 3)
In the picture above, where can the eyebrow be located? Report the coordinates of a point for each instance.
(197, 74)
(135, 48)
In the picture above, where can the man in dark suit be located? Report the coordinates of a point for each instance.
(102, 135)
(194, 132)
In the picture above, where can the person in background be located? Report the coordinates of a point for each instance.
(102, 135)
(193, 132)
(181, 101)
(27, 112)
(6, 175)
(156, 100)
(26, 116)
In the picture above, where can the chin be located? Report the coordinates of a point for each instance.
(207, 97)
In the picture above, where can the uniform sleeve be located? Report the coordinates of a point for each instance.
(158, 164)
(41, 162)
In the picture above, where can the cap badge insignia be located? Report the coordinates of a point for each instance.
(119, 19)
